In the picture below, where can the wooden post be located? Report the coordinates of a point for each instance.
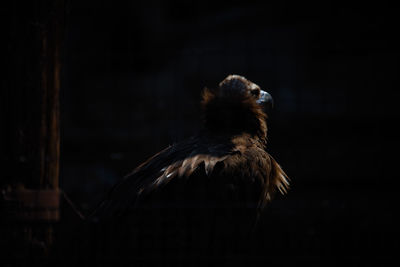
(30, 135)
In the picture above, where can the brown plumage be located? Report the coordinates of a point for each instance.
(200, 198)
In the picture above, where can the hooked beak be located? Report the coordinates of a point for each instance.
(266, 100)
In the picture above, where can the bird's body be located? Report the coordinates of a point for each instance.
(199, 198)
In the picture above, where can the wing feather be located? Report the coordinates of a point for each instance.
(248, 172)
(177, 161)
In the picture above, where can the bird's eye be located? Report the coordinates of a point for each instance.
(255, 92)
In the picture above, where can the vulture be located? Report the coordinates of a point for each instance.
(198, 199)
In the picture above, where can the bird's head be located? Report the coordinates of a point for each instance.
(237, 105)
(236, 86)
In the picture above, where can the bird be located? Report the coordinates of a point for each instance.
(199, 198)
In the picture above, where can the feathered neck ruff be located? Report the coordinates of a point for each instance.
(234, 114)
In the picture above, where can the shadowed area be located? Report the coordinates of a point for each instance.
(132, 75)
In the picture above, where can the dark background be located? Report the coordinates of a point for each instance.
(131, 85)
